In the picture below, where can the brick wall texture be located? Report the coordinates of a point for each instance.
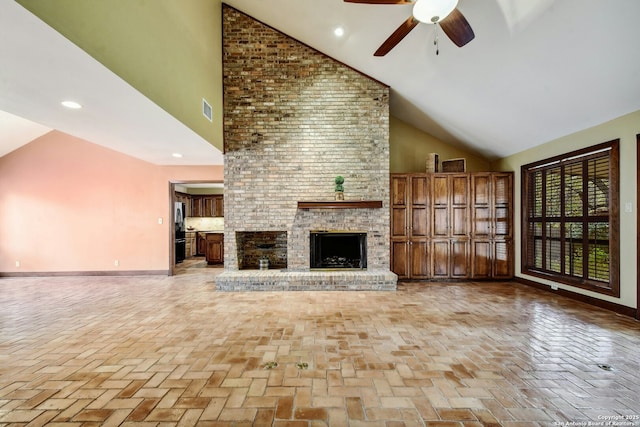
(295, 118)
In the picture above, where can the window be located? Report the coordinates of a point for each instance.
(570, 218)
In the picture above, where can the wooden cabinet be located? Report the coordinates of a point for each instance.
(190, 237)
(207, 206)
(491, 225)
(201, 243)
(409, 226)
(452, 225)
(214, 248)
(218, 205)
(197, 206)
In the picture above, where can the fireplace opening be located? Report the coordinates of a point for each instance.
(332, 249)
(261, 250)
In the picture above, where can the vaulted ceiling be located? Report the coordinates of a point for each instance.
(536, 71)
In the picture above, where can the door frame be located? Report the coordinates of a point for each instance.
(172, 235)
(637, 227)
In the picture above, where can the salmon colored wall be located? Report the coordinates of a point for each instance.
(67, 205)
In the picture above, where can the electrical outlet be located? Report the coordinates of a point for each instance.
(17, 263)
(160, 220)
(116, 263)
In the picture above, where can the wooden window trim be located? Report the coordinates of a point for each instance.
(613, 287)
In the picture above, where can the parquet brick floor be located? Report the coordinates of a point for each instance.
(171, 351)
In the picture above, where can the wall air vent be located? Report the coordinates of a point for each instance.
(207, 111)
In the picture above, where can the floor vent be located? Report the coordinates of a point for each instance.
(207, 111)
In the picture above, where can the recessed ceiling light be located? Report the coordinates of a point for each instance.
(338, 31)
(177, 155)
(71, 104)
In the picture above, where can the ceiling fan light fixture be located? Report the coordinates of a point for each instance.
(433, 11)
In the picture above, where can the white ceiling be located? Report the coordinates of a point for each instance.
(537, 70)
(40, 68)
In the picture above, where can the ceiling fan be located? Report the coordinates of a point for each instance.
(443, 13)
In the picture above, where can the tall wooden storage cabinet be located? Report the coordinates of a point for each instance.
(409, 225)
(450, 236)
(452, 225)
(491, 219)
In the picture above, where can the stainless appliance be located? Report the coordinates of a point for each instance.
(181, 241)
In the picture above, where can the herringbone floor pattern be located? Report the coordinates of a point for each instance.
(165, 351)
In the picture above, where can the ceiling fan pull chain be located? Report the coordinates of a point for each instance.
(435, 40)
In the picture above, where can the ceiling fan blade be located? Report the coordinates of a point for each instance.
(397, 36)
(457, 28)
(380, 1)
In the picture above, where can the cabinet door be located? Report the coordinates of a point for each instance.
(440, 265)
(197, 208)
(418, 207)
(503, 259)
(218, 206)
(502, 187)
(400, 258)
(419, 261)
(215, 248)
(460, 259)
(187, 206)
(481, 259)
(201, 244)
(192, 245)
(399, 207)
(459, 205)
(481, 197)
(440, 206)
(399, 228)
(207, 206)
(399, 190)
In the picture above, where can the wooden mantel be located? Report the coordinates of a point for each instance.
(340, 204)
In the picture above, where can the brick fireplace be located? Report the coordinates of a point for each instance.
(294, 119)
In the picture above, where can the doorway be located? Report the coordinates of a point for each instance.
(200, 214)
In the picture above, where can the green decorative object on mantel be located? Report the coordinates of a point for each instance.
(339, 187)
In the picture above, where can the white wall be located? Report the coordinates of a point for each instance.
(624, 128)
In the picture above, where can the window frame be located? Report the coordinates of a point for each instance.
(527, 172)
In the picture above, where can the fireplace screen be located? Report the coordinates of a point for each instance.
(338, 250)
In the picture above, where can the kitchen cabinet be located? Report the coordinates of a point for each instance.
(452, 225)
(207, 206)
(218, 205)
(197, 206)
(409, 226)
(214, 248)
(201, 243)
(191, 247)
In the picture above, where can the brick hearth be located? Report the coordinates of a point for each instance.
(294, 119)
